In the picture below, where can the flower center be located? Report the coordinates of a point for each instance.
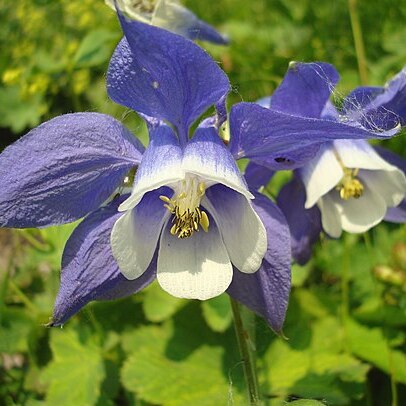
(350, 185)
(143, 6)
(184, 207)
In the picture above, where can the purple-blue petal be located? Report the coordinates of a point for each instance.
(257, 176)
(386, 108)
(164, 75)
(391, 157)
(196, 29)
(305, 89)
(266, 292)
(304, 224)
(282, 141)
(330, 112)
(221, 111)
(397, 214)
(89, 270)
(393, 99)
(64, 169)
(360, 97)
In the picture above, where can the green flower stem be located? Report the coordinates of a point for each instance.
(358, 41)
(247, 355)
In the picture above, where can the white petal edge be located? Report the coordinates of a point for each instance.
(359, 215)
(359, 154)
(197, 267)
(172, 16)
(243, 232)
(330, 217)
(161, 165)
(134, 240)
(214, 163)
(320, 175)
(389, 184)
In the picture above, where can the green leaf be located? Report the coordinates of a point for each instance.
(15, 326)
(159, 305)
(95, 48)
(300, 273)
(182, 362)
(306, 402)
(217, 313)
(76, 371)
(371, 345)
(313, 362)
(18, 113)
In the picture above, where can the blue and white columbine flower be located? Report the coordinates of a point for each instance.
(352, 186)
(347, 185)
(190, 218)
(193, 206)
(170, 15)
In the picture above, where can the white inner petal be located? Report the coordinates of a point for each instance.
(359, 215)
(215, 165)
(241, 228)
(389, 184)
(321, 175)
(330, 217)
(135, 235)
(161, 168)
(359, 154)
(197, 267)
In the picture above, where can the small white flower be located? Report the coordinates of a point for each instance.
(352, 186)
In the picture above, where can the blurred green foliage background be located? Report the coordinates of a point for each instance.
(347, 316)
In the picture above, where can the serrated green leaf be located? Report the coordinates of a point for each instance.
(217, 313)
(182, 362)
(76, 372)
(159, 305)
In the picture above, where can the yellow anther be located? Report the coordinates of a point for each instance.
(350, 185)
(165, 199)
(173, 229)
(204, 221)
(184, 207)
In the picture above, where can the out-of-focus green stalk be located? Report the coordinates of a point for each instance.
(247, 355)
(23, 297)
(345, 287)
(358, 41)
(393, 383)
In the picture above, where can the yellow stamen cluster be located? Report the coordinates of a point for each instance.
(187, 216)
(350, 185)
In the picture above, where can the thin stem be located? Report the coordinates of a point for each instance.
(358, 41)
(23, 297)
(247, 355)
